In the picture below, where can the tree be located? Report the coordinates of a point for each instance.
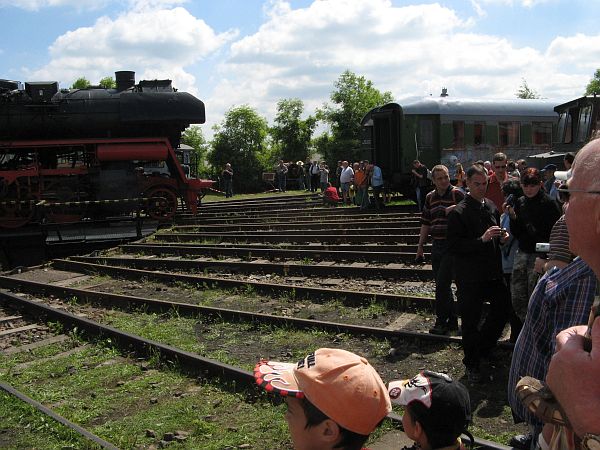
(81, 83)
(193, 137)
(108, 83)
(526, 92)
(353, 96)
(290, 133)
(593, 86)
(239, 140)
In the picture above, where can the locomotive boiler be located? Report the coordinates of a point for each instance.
(73, 154)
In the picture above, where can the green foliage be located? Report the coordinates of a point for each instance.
(108, 83)
(81, 83)
(291, 134)
(193, 137)
(352, 98)
(526, 92)
(239, 140)
(593, 86)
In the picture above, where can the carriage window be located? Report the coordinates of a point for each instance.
(479, 133)
(585, 117)
(426, 133)
(509, 133)
(458, 126)
(541, 133)
(560, 129)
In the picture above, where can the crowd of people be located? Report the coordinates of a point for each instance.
(500, 230)
(524, 240)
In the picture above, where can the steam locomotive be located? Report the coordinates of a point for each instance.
(73, 154)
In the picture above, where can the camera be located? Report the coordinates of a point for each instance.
(542, 247)
(510, 200)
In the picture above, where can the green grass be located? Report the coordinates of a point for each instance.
(210, 198)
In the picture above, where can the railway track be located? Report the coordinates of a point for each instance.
(271, 300)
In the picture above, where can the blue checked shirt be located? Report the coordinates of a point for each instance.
(561, 299)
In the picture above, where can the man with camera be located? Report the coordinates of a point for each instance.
(474, 238)
(531, 220)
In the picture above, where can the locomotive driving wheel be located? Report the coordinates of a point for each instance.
(17, 206)
(64, 206)
(162, 203)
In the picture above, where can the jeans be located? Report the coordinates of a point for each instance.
(282, 181)
(227, 187)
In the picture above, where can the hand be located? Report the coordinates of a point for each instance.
(539, 266)
(504, 235)
(574, 378)
(510, 211)
(491, 233)
(449, 209)
(419, 255)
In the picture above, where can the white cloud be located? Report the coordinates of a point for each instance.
(523, 3)
(158, 43)
(411, 50)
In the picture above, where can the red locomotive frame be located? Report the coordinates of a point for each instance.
(69, 180)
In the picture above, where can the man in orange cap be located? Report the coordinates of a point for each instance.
(335, 398)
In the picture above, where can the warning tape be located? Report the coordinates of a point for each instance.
(45, 203)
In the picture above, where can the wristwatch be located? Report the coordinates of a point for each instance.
(591, 441)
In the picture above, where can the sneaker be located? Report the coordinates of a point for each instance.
(521, 441)
(473, 374)
(439, 329)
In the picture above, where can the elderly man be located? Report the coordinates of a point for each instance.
(574, 372)
(346, 177)
(438, 204)
(474, 237)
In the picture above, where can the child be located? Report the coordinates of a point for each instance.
(437, 410)
(334, 398)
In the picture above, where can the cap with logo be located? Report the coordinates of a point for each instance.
(341, 384)
(446, 400)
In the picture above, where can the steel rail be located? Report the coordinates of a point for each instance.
(190, 361)
(47, 411)
(364, 225)
(402, 218)
(188, 309)
(389, 230)
(313, 211)
(311, 247)
(284, 269)
(269, 253)
(290, 238)
(148, 347)
(393, 301)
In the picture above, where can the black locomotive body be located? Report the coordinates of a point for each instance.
(71, 154)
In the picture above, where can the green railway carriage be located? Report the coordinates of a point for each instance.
(434, 130)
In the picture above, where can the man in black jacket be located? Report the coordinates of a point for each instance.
(474, 237)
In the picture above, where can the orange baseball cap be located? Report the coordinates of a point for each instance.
(341, 384)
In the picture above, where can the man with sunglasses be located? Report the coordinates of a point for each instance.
(531, 221)
(497, 179)
(474, 238)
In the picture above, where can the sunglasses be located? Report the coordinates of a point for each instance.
(531, 183)
(499, 167)
(568, 190)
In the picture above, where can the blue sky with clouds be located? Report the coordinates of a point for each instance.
(232, 52)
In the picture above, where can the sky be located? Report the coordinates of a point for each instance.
(256, 52)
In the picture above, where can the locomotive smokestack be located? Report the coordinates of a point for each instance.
(125, 79)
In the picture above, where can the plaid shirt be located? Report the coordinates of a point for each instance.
(561, 299)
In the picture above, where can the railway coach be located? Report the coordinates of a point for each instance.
(441, 129)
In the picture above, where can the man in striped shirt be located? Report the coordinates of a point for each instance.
(434, 222)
